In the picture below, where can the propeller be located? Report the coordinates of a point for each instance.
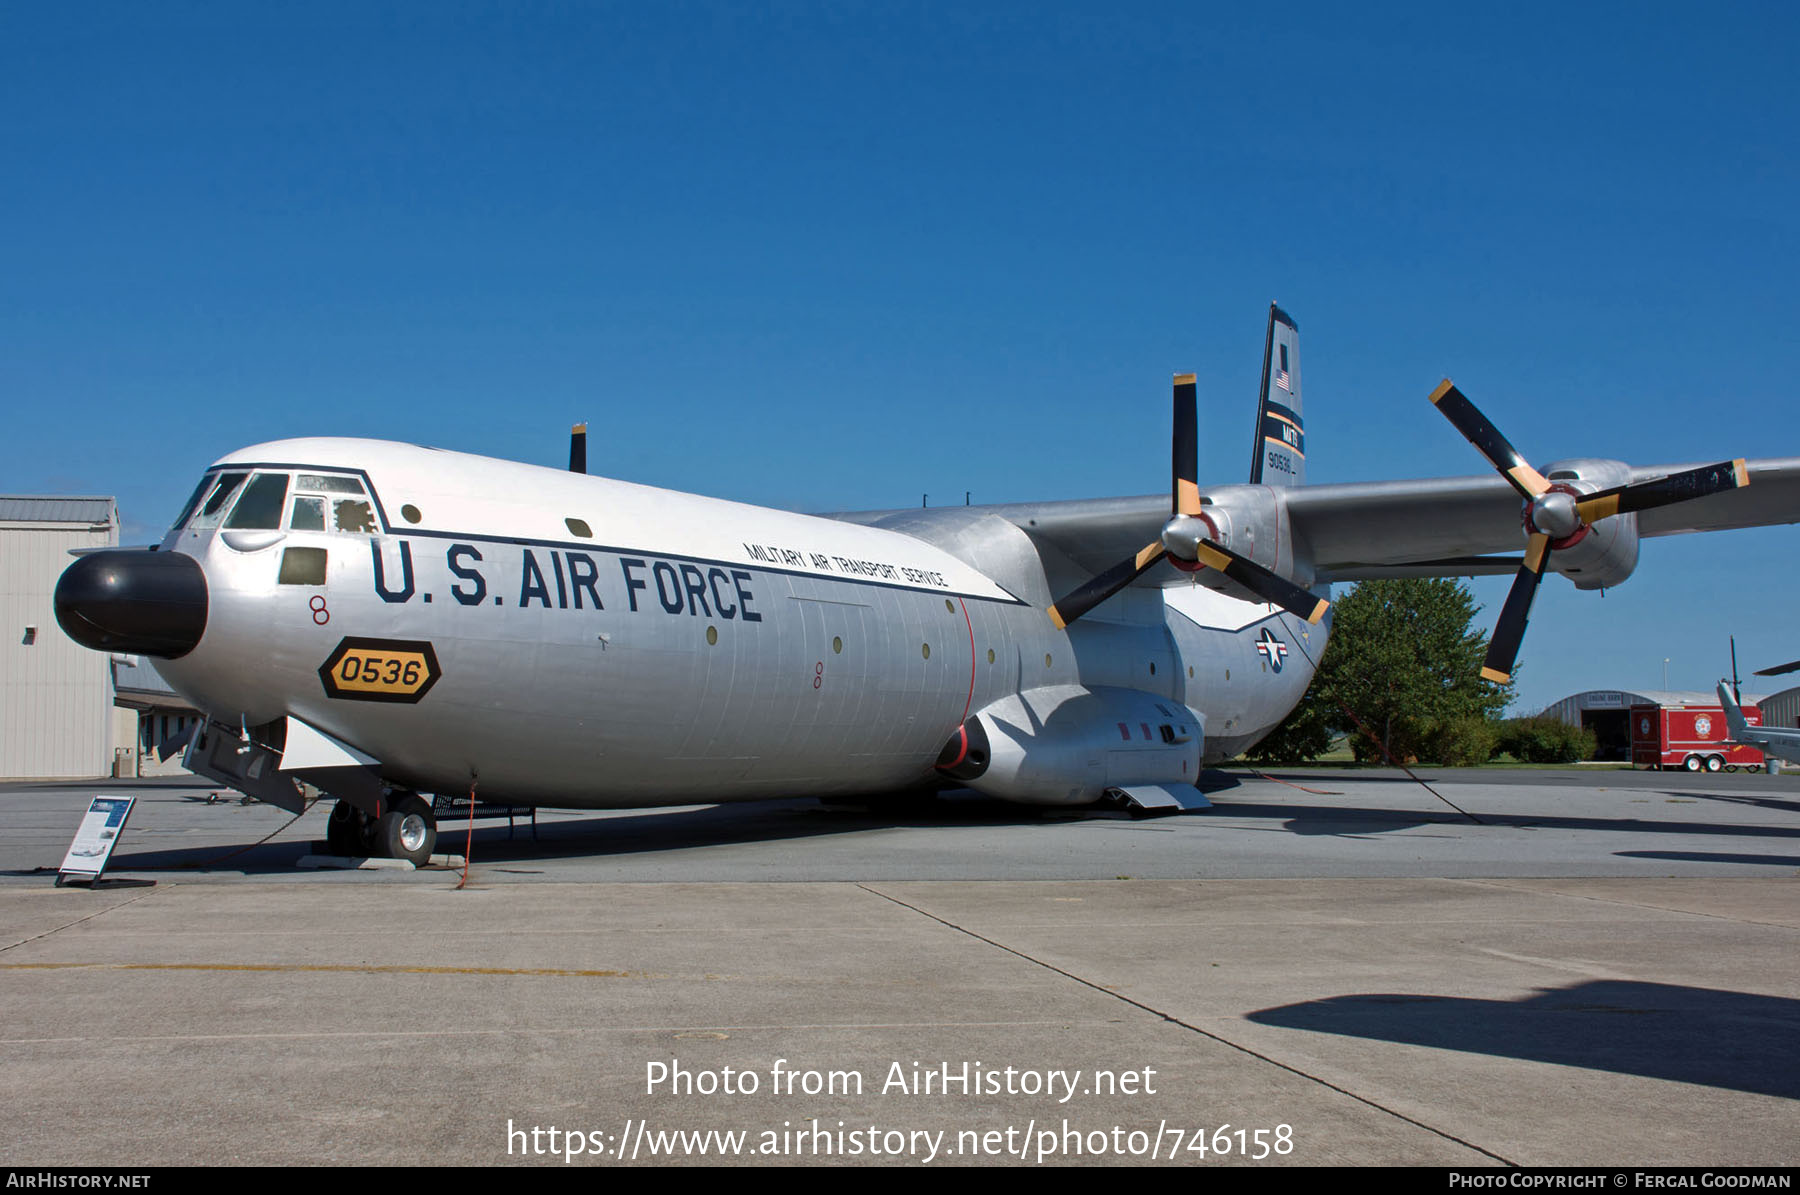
(578, 448)
(1185, 537)
(1555, 514)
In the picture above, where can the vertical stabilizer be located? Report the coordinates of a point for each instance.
(1734, 715)
(1280, 452)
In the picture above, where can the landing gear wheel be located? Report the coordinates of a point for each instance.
(1714, 763)
(408, 830)
(1692, 763)
(346, 831)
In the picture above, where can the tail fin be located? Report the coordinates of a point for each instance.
(1734, 716)
(1279, 455)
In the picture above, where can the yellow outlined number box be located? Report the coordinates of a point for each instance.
(400, 670)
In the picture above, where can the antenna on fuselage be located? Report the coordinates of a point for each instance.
(578, 448)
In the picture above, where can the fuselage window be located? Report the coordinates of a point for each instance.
(262, 503)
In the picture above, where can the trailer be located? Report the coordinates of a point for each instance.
(1690, 737)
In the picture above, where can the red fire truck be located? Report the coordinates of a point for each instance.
(1690, 737)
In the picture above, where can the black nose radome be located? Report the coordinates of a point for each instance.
(149, 603)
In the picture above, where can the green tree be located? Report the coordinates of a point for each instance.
(1405, 658)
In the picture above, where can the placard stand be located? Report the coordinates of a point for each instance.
(95, 840)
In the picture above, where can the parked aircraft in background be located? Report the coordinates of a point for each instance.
(1772, 740)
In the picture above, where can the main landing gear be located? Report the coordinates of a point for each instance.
(406, 829)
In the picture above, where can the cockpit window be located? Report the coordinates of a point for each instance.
(193, 501)
(353, 516)
(327, 484)
(262, 503)
(309, 514)
(319, 502)
(325, 501)
(213, 509)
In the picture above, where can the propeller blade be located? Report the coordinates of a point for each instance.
(1664, 491)
(1509, 632)
(1098, 588)
(1778, 669)
(1271, 587)
(1185, 454)
(1487, 439)
(578, 448)
(1184, 499)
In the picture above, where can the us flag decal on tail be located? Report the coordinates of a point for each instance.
(1279, 454)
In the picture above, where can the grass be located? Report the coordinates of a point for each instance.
(1340, 756)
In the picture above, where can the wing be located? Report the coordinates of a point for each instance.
(1449, 526)
(1434, 527)
(1093, 533)
(1453, 526)
(1087, 534)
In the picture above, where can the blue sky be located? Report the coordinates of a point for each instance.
(836, 257)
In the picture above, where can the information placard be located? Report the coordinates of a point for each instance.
(94, 841)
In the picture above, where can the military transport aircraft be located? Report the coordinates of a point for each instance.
(1771, 740)
(382, 620)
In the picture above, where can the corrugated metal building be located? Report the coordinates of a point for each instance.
(56, 697)
(1604, 711)
(1782, 709)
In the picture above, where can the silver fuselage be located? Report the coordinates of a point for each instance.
(603, 644)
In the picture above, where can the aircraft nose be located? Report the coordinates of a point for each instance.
(149, 603)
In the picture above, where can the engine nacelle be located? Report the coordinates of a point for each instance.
(1250, 520)
(1606, 553)
(1069, 744)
